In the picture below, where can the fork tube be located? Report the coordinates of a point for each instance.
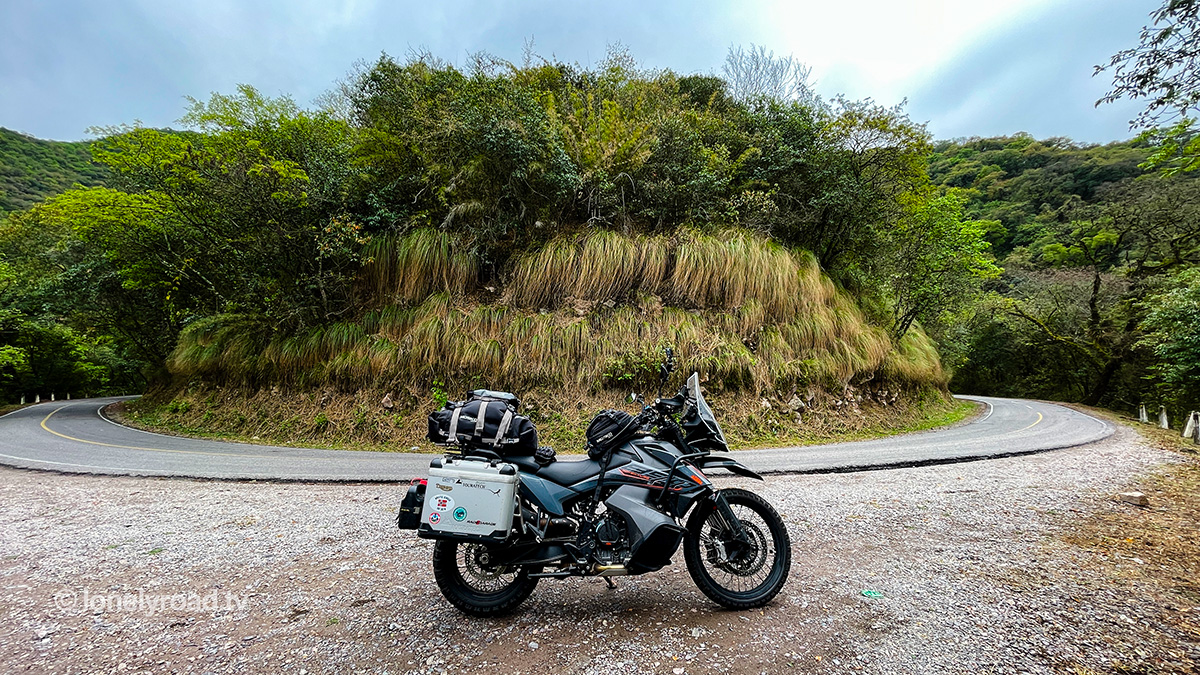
(732, 522)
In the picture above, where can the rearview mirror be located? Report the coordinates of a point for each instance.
(668, 364)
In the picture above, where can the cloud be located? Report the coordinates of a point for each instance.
(71, 64)
(1035, 75)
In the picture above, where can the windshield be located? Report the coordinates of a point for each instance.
(700, 423)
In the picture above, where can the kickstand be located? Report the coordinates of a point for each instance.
(609, 581)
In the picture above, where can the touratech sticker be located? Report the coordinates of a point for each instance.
(443, 503)
(435, 518)
(460, 514)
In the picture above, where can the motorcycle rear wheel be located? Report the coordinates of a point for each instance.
(474, 587)
(738, 574)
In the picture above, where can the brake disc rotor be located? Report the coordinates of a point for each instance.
(741, 559)
(476, 563)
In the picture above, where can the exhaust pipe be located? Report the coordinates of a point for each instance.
(611, 571)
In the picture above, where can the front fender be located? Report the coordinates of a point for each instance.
(727, 463)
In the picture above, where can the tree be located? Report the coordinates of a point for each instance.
(1164, 69)
(1149, 228)
(758, 74)
(1172, 332)
(939, 262)
(250, 215)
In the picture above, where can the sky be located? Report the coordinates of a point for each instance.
(965, 67)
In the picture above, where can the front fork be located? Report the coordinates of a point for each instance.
(729, 521)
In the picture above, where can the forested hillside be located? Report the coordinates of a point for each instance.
(1099, 258)
(33, 169)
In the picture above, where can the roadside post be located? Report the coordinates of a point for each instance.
(1193, 427)
(1142, 416)
(1163, 422)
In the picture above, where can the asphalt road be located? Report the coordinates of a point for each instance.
(74, 437)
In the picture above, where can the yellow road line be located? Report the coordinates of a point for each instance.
(1036, 422)
(179, 452)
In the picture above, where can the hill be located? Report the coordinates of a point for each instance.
(32, 169)
(542, 228)
(580, 322)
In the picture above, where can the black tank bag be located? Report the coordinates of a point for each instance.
(609, 430)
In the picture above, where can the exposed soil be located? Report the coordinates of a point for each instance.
(1027, 564)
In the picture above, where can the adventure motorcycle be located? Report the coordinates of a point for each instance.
(504, 514)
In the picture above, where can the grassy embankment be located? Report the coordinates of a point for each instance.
(1161, 539)
(576, 324)
(235, 416)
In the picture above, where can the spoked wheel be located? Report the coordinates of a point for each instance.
(739, 571)
(470, 582)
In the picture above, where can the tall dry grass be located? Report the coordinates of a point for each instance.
(748, 314)
(412, 266)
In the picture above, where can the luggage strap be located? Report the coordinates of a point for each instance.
(480, 420)
(502, 430)
(454, 423)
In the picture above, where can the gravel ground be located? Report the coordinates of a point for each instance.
(130, 574)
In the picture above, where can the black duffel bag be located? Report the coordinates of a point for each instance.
(488, 419)
(609, 430)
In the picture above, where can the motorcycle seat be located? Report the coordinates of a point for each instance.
(525, 463)
(569, 473)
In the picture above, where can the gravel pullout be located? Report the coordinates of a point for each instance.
(138, 574)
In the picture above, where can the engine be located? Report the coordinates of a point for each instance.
(609, 541)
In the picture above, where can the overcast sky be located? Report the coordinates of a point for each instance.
(968, 68)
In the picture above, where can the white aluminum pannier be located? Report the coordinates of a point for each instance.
(469, 499)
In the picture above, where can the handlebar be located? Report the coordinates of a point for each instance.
(660, 411)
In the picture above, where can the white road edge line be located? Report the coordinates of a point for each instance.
(27, 407)
(988, 414)
(80, 466)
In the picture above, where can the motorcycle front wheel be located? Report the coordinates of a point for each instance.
(738, 572)
(475, 587)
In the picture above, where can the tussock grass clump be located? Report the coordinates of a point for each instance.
(598, 266)
(691, 269)
(412, 266)
(580, 314)
(220, 346)
(915, 359)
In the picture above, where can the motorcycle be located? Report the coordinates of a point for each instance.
(502, 520)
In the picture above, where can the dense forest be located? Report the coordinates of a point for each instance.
(1098, 257)
(42, 348)
(549, 228)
